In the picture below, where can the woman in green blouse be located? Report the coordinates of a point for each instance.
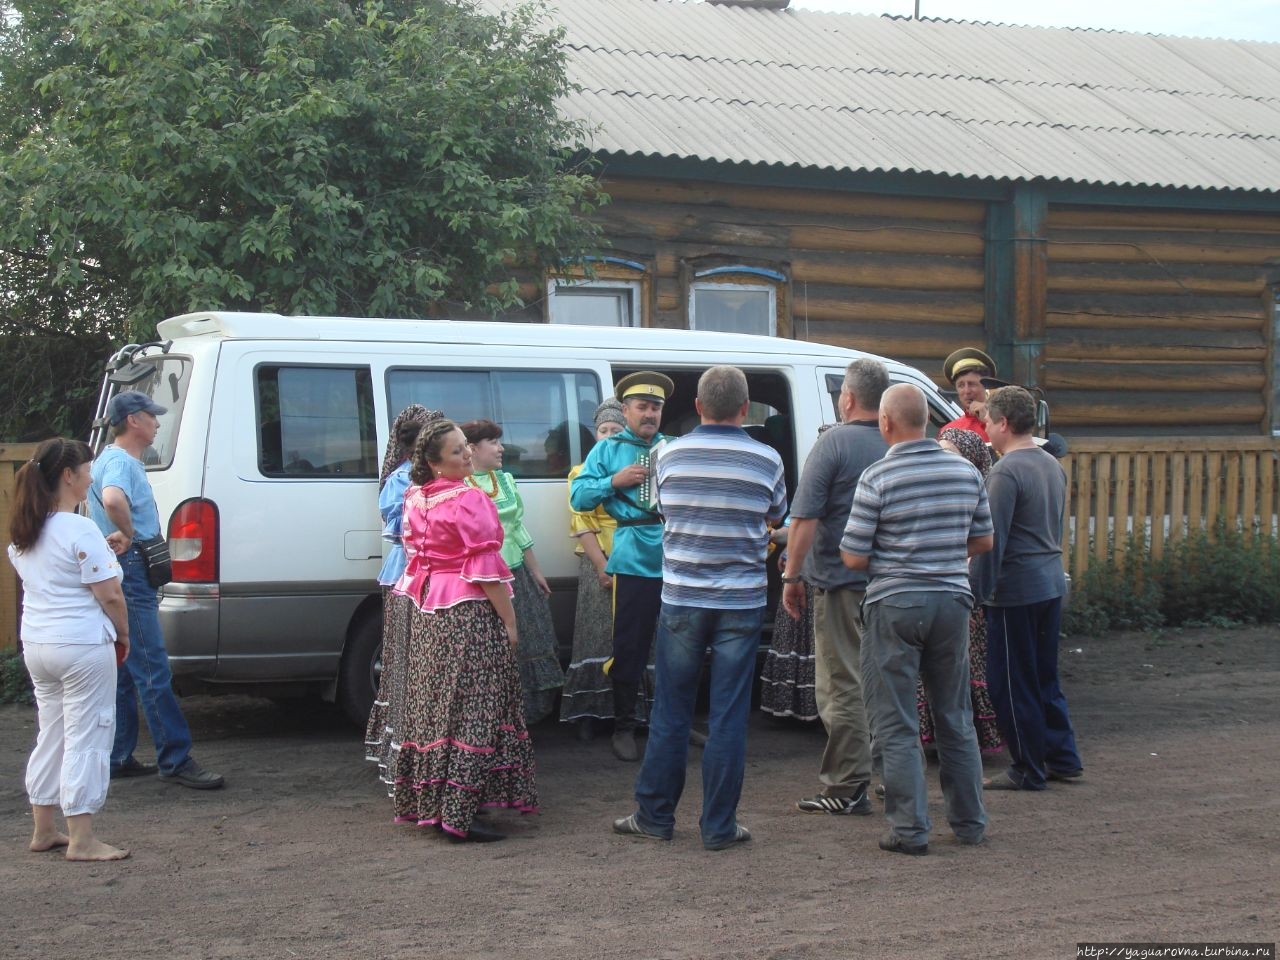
(540, 673)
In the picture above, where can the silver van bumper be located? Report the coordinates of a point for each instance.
(189, 622)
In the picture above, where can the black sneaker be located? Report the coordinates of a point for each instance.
(478, 833)
(892, 843)
(132, 768)
(858, 805)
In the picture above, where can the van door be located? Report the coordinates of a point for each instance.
(300, 539)
(774, 418)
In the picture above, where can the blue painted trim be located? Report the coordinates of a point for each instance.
(613, 261)
(755, 271)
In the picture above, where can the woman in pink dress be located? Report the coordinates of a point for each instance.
(464, 743)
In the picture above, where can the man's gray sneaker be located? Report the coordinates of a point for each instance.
(857, 805)
(192, 775)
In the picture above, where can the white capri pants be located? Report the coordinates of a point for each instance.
(75, 687)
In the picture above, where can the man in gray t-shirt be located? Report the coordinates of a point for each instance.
(819, 512)
(1021, 583)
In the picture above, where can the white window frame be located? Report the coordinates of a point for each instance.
(631, 289)
(701, 285)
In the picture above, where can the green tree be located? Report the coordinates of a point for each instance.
(300, 156)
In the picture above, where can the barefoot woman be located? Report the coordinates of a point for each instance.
(72, 610)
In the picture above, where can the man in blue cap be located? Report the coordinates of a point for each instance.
(124, 508)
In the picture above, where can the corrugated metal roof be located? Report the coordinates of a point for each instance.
(862, 93)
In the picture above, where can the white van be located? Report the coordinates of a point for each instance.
(266, 465)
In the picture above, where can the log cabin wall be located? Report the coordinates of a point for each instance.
(893, 275)
(1158, 322)
(1137, 320)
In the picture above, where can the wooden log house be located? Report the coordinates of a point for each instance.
(1099, 210)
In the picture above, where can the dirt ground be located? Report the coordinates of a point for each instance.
(1174, 835)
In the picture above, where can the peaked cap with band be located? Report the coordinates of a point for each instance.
(647, 384)
(966, 360)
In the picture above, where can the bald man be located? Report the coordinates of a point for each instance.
(917, 517)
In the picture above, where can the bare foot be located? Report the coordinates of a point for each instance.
(96, 850)
(48, 841)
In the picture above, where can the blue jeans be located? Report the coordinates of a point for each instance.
(923, 634)
(146, 677)
(685, 634)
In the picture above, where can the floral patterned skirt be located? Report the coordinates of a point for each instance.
(540, 673)
(464, 744)
(786, 683)
(984, 712)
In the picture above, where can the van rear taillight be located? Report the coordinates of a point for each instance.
(193, 542)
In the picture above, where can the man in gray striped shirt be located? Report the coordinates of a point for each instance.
(917, 516)
(718, 490)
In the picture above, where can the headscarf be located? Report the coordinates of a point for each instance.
(396, 453)
(609, 411)
(970, 446)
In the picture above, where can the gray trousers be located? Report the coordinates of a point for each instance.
(909, 635)
(837, 628)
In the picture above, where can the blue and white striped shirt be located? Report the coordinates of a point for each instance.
(718, 488)
(913, 514)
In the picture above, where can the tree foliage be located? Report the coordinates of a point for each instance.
(299, 156)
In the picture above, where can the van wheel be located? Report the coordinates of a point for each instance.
(361, 668)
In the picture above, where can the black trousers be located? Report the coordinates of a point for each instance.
(636, 603)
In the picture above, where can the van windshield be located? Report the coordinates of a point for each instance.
(167, 385)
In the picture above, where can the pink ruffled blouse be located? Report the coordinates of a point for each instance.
(452, 542)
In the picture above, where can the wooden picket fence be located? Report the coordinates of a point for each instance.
(1165, 489)
(12, 456)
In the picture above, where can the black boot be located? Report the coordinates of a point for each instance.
(624, 721)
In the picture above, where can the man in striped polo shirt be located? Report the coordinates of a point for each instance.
(718, 490)
(917, 516)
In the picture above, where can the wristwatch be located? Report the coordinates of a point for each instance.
(791, 579)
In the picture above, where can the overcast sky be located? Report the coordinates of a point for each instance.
(1234, 19)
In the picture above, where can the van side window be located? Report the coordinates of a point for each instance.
(316, 422)
(545, 415)
(938, 415)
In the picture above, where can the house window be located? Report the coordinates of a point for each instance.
(601, 303)
(612, 294)
(734, 308)
(735, 299)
